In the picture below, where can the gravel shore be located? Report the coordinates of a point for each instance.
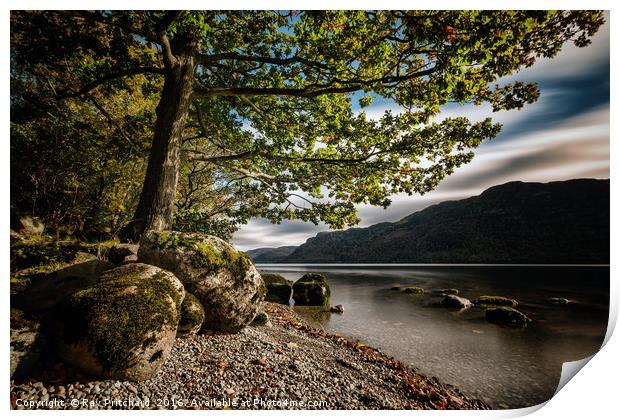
(286, 364)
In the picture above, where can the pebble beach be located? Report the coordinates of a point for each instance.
(283, 364)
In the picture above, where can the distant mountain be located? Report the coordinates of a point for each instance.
(517, 222)
(270, 255)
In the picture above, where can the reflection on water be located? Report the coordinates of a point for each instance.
(505, 367)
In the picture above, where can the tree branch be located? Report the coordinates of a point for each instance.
(123, 73)
(109, 20)
(212, 58)
(220, 157)
(310, 91)
(111, 120)
(160, 29)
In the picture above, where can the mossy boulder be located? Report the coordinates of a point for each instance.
(223, 279)
(46, 291)
(412, 290)
(455, 302)
(124, 326)
(29, 225)
(507, 316)
(279, 289)
(192, 316)
(311, 290)
(496, 301)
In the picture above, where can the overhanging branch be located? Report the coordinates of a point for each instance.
(117, 75)
(311, 91)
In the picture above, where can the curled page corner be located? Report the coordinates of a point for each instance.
(570, 369)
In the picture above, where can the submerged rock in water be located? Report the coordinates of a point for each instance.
(311, 290)
(395, 288)
(496, 301)
(223, 279)
(444, 292)
(451, 301)
(338, 309)
(192, 316)
(279, 289)
(124, 326)
(558, 301)
(412, 290)
(507, 316)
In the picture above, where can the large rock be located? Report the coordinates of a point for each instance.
(412, 290)
(30, 225)
(192, 316)
(311, 290)
(124, 326)
(507, 316)
(46, 292)
(495, 301)
(279, 289)
(455, 302)
(223, 279)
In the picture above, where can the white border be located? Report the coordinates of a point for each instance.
(591, 395)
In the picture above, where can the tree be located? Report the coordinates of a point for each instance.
(266, 100)
(70, 159)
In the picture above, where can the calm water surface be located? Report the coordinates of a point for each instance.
(505, 367)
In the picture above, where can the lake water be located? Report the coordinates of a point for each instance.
(505, 367)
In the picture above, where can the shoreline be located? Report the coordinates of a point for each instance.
(286, 364)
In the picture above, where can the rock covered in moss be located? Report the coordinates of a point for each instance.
(223, 279)
(496, 301)
(46, 292)
(455, 302)
(311, 290)
(192, 316)
(124, 326)
(30, 225)
(412, 290)
(507, 316)
(279, 289)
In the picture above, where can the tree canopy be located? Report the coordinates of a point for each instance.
(261, 113)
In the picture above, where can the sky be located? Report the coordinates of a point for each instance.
(564, 135)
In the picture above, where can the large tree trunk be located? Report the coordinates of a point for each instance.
(155, 208)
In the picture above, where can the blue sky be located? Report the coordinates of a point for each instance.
(564, 135)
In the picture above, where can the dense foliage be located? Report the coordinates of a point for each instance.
(276, 126)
